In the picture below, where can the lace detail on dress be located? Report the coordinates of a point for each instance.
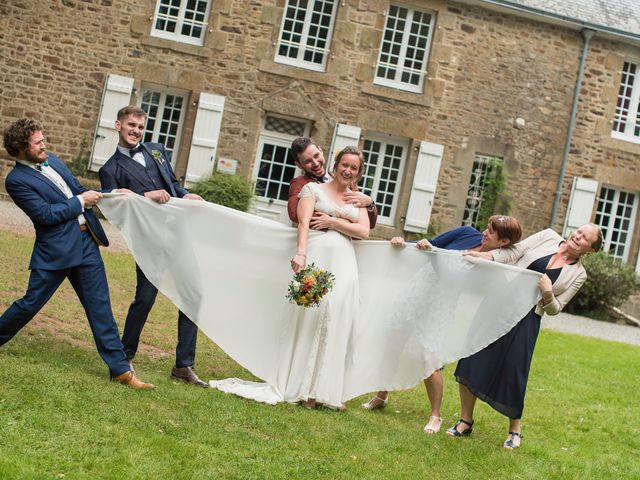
(316, 355)
(326, 205)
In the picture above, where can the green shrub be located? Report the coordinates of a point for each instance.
(609, 284)
(231, 191)
(495, 198)
(79, 164)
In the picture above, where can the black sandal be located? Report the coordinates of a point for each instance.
(454, 432)
(509, 442)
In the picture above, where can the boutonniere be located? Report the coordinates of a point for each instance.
(157, 155)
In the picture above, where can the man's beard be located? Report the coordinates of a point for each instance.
(35, 158)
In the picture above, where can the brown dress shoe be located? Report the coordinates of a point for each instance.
(188, 374)
(130, 380)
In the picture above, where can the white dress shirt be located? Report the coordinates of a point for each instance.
(59, 182)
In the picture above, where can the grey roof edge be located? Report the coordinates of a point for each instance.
(505, 5)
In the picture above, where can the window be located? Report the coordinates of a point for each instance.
(165, 113)
(181, 20)
(477, 182)
(615, 213)
(626, 122)
(274, 168)
(384, 163)
(306, 33)
(404, 50)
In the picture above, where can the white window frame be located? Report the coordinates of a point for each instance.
(180, 20)
(402, 56)
(479, 187)
(277, 139)
(155, 133)
(631, 114)
(377, 174)
(608, 229)
(303, 45)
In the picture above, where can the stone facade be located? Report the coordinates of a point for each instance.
(485, 70)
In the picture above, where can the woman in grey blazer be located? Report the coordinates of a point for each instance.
(498, 374)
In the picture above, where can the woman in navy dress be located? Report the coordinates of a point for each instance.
(501, 231)
(498, 374)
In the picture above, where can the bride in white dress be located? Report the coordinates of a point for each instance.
(392, 318)
(313, 363)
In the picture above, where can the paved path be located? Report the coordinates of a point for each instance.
(565, 322)
(12, 218)
(15, 220)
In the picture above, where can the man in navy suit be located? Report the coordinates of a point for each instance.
(145, 169)
(66, 246)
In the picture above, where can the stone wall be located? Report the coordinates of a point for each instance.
(485, 70)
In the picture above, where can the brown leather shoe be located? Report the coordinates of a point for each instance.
(189, 375)
(130, 380)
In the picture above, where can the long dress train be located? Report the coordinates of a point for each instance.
(394, 316)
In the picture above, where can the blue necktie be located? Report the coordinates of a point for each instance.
(43, 164)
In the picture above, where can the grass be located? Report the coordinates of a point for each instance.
(60, 417)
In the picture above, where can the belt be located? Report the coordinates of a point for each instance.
(84, 227)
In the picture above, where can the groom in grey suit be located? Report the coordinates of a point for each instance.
(145, 169)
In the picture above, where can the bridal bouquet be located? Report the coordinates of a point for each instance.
(309, 285)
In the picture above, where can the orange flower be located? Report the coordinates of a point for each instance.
(309, 281)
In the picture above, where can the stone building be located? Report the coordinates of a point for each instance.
(430, 89)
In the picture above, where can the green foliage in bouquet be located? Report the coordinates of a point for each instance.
(609, 284)
(309, 285)
(231, 191)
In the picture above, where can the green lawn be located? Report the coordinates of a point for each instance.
(60, 417)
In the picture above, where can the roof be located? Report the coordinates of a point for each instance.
(615, 17)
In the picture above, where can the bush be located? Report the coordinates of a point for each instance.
(79, 164)
(495, 198)
(609, 284)
(229, 190)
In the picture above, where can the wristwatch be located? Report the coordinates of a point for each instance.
(371, 207)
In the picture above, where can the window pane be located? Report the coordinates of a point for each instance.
(383, 165)
(306, 31)
(626, 119)
(183, 20)
(614, 214)
(403, 52)
(164, 117)
(475, 190)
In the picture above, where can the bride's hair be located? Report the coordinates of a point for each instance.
(351, 151)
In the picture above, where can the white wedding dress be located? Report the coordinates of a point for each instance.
(392, 318)
(320, 345)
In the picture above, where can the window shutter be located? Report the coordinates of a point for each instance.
(206, 132)
(116, 94)
(424, 186)
(343, 136)
(583, 195)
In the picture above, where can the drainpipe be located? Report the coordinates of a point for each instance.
(586, 36)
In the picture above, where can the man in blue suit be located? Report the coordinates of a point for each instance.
(145, 169)
(66, 246)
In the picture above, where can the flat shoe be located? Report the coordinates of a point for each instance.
(375, 403)
(510, 443)
(434, 424)
(454, 432)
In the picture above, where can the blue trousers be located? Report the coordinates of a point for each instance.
(139, 310)
(90, 283)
